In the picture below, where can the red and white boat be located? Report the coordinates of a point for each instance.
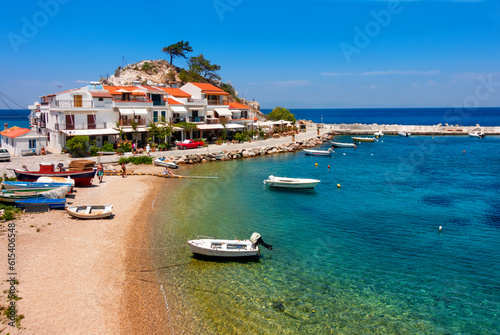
(81, 178)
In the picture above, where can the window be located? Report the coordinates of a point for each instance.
(101, 99)
(163, 116)
(77, 99)
(32, 144)
(155, 116)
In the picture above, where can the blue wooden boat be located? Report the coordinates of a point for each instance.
(53, 203)
(9, 185)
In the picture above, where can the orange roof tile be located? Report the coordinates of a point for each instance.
(237, 105)
(174, 102)
(114, 89)
(176, 92)
(15, 132)
(210, 89)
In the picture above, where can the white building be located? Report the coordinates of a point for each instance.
(19, 141)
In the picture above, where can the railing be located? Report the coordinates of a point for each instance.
(140, 122)
(158, 103)
(81, 126)
(212, 121)
(179, 119)
(196, 101)
(72, 103)
(132, 99)
(196, 119)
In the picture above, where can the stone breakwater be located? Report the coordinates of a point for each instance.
(248, 153)
(393, 129)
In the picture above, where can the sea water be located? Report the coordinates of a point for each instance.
(15, 117)
(362, 253)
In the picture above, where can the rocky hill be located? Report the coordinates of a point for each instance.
(160, 72)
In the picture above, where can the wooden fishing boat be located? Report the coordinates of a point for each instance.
(53, 203)
(318, 152)
(9, 185)
(343, 145)
(47, 193)
(82, 178)
(284, 182)
(90, 211)
(363, 139)
(213, 247)
(162, 161)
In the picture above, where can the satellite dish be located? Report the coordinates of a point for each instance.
(150, 82)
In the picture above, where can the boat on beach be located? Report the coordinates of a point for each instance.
(213, 247)
(284, 182)
(82, 178)
(9, 185)
(13, 195)
(162, 161)
(343, 145)
(90, 211)
(363, 139)
(53, 203)
(318, 152)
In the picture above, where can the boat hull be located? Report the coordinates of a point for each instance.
(318, 152)
(343, 145)
(9, 185)
(53, 203)
(81, 178)
(90, 211)
(364, 139)
(169, 164)
(223, 248)
(294, 183)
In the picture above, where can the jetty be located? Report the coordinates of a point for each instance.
(393, 129)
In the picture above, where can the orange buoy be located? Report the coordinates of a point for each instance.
(464, 151)
(338, 185)
(328, 166)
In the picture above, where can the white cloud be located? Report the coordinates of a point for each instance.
(381, 73)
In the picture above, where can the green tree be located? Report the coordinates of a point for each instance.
(202, 67)
(178, 49)
(78, 145)
(281, 113)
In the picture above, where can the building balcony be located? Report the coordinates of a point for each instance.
(196, 102)
(196, 119)
(72, 103)
(128, 123)
(81, 126)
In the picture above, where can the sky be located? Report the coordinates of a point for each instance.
(295, 54)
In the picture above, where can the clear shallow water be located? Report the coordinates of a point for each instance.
(363, 258)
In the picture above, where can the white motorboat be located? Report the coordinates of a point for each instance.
(343, 145)
(318, 152)
(285, 182)
(228, 248)
(162, 161)
(363, 139)
(477, 134)
(378, 133)
(90, 211)
(404, 134)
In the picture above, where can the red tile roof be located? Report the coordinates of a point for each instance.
(237, 105)
(101, 95)
(14, 132)
(130, 89)
(151, 88)
(210, 89)
(174, 102)
(176, 92)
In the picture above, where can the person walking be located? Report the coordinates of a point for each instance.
(124, 170)
(100, 172)
(148, 149)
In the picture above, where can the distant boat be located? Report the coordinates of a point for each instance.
(228, 248)
(364, 139)
(82, 178)
(379, 133)
(343, 145)
(284, 182)
(319, 152)
(90, 211)
(404, 134)
(53, 203)
(477, 134)
(162, 161)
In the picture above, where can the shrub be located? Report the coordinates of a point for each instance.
(78, 145)
(125, 145)
(93, 150)
(136, 160)
(8, 215)
(107, 147)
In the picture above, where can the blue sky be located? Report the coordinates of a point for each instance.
(319, 53)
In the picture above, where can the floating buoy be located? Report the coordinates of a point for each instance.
(344, 153)
(464, 151)
(338, 185)
(440, 228)
(316, 164)
(328, 166)
(371, 155)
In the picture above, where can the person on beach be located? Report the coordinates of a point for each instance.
(148, 149)
(124, 170)
(167, 172)
(100, 172)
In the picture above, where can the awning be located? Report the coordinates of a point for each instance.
(37, 114)
(234, 126)
(235, 111)
(223, 111)
(130, 130)
(91, 132)
(126, 111)
(140, 111)
(179, 109)
(210, 126)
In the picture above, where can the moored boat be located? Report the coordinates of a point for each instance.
(82, 178)
(477, 134)
(90, 211)
(53, 203)
(363, 139)
(284, 182)
(228, 248)
(162, 161)
(378, 133)
(343, 145)
(318, 152)
(404, 134)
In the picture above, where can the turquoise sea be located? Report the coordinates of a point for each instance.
(363, 258)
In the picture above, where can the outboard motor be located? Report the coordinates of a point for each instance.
(256, 239)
